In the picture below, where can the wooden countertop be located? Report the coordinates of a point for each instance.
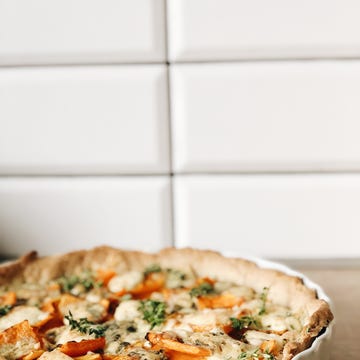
(342, 285)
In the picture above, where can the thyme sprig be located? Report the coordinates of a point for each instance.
(263, 298)
(245, 322)
(5, 309)
(85, 326)
(204, 288)
(87, 280)
(153, 268)
(153, 312)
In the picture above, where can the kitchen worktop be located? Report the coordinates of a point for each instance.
(341, 282)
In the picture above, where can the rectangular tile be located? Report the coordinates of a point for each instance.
(256, 29)
(82, 31)
(84, 120)
(273, 216)
(266, 116)
(57, 215)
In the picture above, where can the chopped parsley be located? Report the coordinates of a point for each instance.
(153, 312)
(68, 283)
(203, 289)
(244, 355)
(153, 268)
(85, 326)
(87, 280)
(253, 355)
(268, 356)
(244, 322)
(5, 309)
(175, 278)
(263, 298)
(176, 274)
(248, 356)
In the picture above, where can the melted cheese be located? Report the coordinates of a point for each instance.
(21, 313)
(256, 338)
(21, 348)
(142, 354)
(128, 310)
(278, 319)
(206, 318)
(84, 309)
(125, 334)
(253, 305)
(218, 342)
(180, 279)
(121, 333)
(180, 301)
(71, 335)
(126, 281)
(54, 355)
(243, 292)
(201, 318)
(274, 322)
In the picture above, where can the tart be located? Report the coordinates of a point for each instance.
(177, 304)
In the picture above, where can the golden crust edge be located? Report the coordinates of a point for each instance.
(284, 289)
(11, 269)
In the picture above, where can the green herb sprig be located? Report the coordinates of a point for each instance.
(244, 322)
(268, 356)
(203, 289)
(85, 326)
(153, 312)
(249, 355)
(5, 309)
(87, 280)
(263, 298)
(254, 355)
(153, 268)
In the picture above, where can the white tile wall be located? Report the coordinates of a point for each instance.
(56, 215)
(82, 31)
(92, 120)
(260, 152)
(279, 216)
(248, 29)
(266, 116)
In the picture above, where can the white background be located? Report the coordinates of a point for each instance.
(224, 124)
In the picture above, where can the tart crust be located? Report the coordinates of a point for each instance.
(284, 289)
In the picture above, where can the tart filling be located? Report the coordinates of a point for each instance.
(179, 304)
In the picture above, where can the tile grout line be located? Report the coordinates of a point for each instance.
(82, 65)
(171, 174)
(170, 140)
(178, 62)
(81, 176)
(265, 60)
